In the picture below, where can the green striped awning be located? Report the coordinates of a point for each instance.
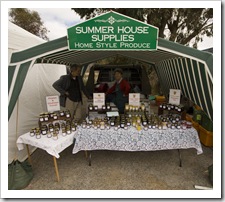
(178, 67)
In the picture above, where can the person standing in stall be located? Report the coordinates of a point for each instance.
(119, 92)
(71, 88)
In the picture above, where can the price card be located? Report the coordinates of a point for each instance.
(52, 103)
(134, 99)
(175, 96)
(99, 99)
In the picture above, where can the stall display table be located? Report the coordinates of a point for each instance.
(50, 145)
(134, 140)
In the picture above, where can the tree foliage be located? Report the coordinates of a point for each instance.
(181, 25)
(28, 20)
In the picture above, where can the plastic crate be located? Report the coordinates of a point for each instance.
(206, 123)
(206, 137)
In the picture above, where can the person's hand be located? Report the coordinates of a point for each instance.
(67, 94)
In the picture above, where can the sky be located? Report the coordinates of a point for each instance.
(57, 20)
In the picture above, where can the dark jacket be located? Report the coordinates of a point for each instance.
(63, 84)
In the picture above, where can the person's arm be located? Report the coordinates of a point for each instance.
(59, 85)
(126, 88)
(111, 90)
(83, 88)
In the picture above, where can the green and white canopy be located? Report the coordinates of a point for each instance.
(177, 66)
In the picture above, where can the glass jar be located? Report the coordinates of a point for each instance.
(49, 135)
(90, 107)
(61, 113)
(41, 118)
(32, 133)
(143, 107)
(67, 113)
(55, 117)
(55, 136)
(108, 107)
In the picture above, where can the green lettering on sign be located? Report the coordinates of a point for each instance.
(112, 31)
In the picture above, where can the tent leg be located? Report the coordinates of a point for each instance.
(28, 152)
(180, 158)
(86, 154)
(89, 159)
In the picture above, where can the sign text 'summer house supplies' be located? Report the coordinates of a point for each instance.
(112, 31)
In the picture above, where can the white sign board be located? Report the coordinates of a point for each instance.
(174, 96)
(99, 99)
(134, 99)
(52, 103)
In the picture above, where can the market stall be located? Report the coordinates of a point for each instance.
(177, 66)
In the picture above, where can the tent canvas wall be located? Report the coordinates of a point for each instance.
(36, 86)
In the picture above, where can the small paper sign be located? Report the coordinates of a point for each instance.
(174, 96)
(52, 103)
(134, 99)
(111, 114)
(99, 99)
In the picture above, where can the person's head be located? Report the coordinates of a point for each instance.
(75, 70)
(118, 74)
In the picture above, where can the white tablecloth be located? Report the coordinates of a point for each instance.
(53, 147)
(134, 140)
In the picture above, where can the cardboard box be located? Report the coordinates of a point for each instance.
(196, 125)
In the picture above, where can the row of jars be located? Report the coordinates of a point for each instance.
(52, 130)
(132, 108)
(92, 107)
(168, 106)
(151, 121)
(125, 125)
(54, 115)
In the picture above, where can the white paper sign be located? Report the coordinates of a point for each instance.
(52, 103)
(134, 99)
(99, 99)
(111, 114)
(174, 96)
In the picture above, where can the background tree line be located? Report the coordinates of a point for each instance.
(181, 25)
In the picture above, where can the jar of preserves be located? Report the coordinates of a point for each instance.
(51, 127)
(68, 130)
(62, 113)
(32, 133)
(90, 107)
(41, 117)
(73, 127)
(46, 116)
(108, 107)
(49, 135)
(142, 106)
(55, 116)
(55, 136)
(67, 113)
(38, 133)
